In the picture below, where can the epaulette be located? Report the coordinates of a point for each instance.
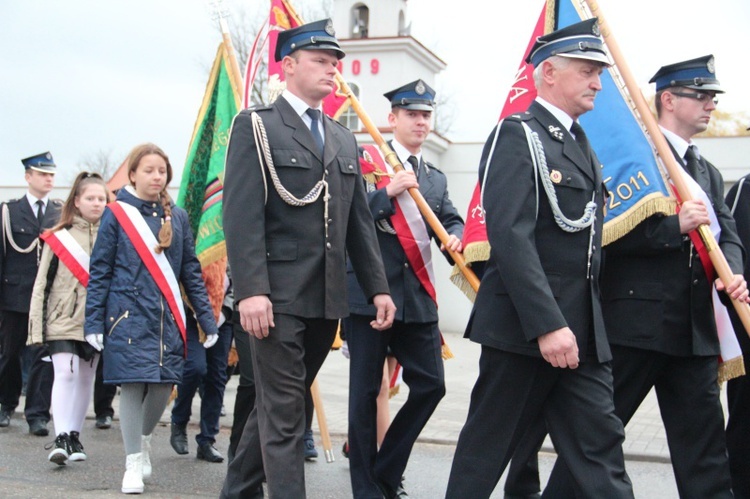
(259, 108)
(339, 124)
(14, 200)
(432, 167)
(524, 116)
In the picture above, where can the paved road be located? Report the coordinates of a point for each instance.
(25, 472)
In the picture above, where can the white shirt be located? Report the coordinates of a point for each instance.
(561, 116)
(680, 145)
(403, 155)
(301, 107)
(32, 202)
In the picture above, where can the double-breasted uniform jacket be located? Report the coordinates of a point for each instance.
(413, 303)
(142, 343)
(17, 270)
(655, 292)
(284, 251)
(536, 278)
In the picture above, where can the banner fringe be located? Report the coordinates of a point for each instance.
(732, 368)
(615, 229)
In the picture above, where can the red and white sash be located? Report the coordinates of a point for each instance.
(407, 222)
(157, 264)
(728, 344)
(71, 254)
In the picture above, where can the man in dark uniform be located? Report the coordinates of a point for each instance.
(657, 297)
(738, 389)
(23, 220)
(289, 223)
(537, 314)
(414, 338)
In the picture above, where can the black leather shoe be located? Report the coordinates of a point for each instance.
(208, 452)
(5, 415)
(104, 422)
(38, 427)
(179, 438)
(391, 493)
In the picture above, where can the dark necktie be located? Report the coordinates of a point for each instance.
(414, 162)
(581, 139)
(691, 162)
(314, 115)
(39, 210)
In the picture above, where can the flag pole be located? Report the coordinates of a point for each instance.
(393, 160)
(667, 157)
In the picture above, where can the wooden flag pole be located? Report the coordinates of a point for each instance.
(393, 160)
(320, 414)
(665, 153)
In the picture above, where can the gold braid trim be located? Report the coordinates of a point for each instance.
(473, 252)
(374, 176)
(650, 205)
(445, 351)
(733, 368)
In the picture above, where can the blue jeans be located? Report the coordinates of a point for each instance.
(209, 368)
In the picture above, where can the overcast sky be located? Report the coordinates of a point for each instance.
(81, 76)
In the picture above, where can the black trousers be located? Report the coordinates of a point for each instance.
(103, 394)
(510, 392)
(688, 393)
(245, 398)
(284, 364)
(417, 349)
(13, 334)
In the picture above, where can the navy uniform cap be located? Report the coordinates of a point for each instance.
(41, 162)
(417, 96)
(578, 41)
(318, 35)
(698, 74)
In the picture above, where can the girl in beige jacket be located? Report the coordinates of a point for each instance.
(58, 304)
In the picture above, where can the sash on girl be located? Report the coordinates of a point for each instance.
(158, 266)
(70, 253)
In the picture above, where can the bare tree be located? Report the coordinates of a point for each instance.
(100, 162)
(445, 111)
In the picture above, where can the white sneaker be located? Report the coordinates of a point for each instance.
(132, 480)
(145, 456)
(77, 453)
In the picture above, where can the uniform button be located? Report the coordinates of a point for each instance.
(153, 205)
(631, 292)
(326, 171)
(380, 212)
(569, 179)
(695, 282)
(328, 245)
(330, 220)
(437, 206)
(294, 160)
(111, 319)
(406, 265)
(268, 254)
(155, 214)
(351, 167)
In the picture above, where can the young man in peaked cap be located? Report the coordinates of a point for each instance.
(537, 315)
(23, 219)
(414, 339)
(287, 241)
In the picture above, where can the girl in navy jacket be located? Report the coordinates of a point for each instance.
(134, 310)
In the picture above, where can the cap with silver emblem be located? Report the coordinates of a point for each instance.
(417, 96)
(578, 41)
(698, 74)
(41, 162)
(318, 35)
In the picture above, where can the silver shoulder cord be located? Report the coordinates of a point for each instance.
(541, 171)
(737, 197)
(8, 235)
(382, 224)
(264, 156)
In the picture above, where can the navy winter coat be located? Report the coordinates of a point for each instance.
(142, 343)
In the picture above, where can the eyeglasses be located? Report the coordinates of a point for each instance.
(701, 97)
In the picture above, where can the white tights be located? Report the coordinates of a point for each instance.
(72, 390)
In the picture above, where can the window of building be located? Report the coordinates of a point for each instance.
(349, 117)
(360, 21)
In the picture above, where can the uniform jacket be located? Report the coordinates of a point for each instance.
(536, 278)
(142, 343)
(413, 303)
(17, 270)
(66, 303)
(655, 292)
(283, 251)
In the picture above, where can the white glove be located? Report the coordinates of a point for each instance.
(96, 341)
(211, 340)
